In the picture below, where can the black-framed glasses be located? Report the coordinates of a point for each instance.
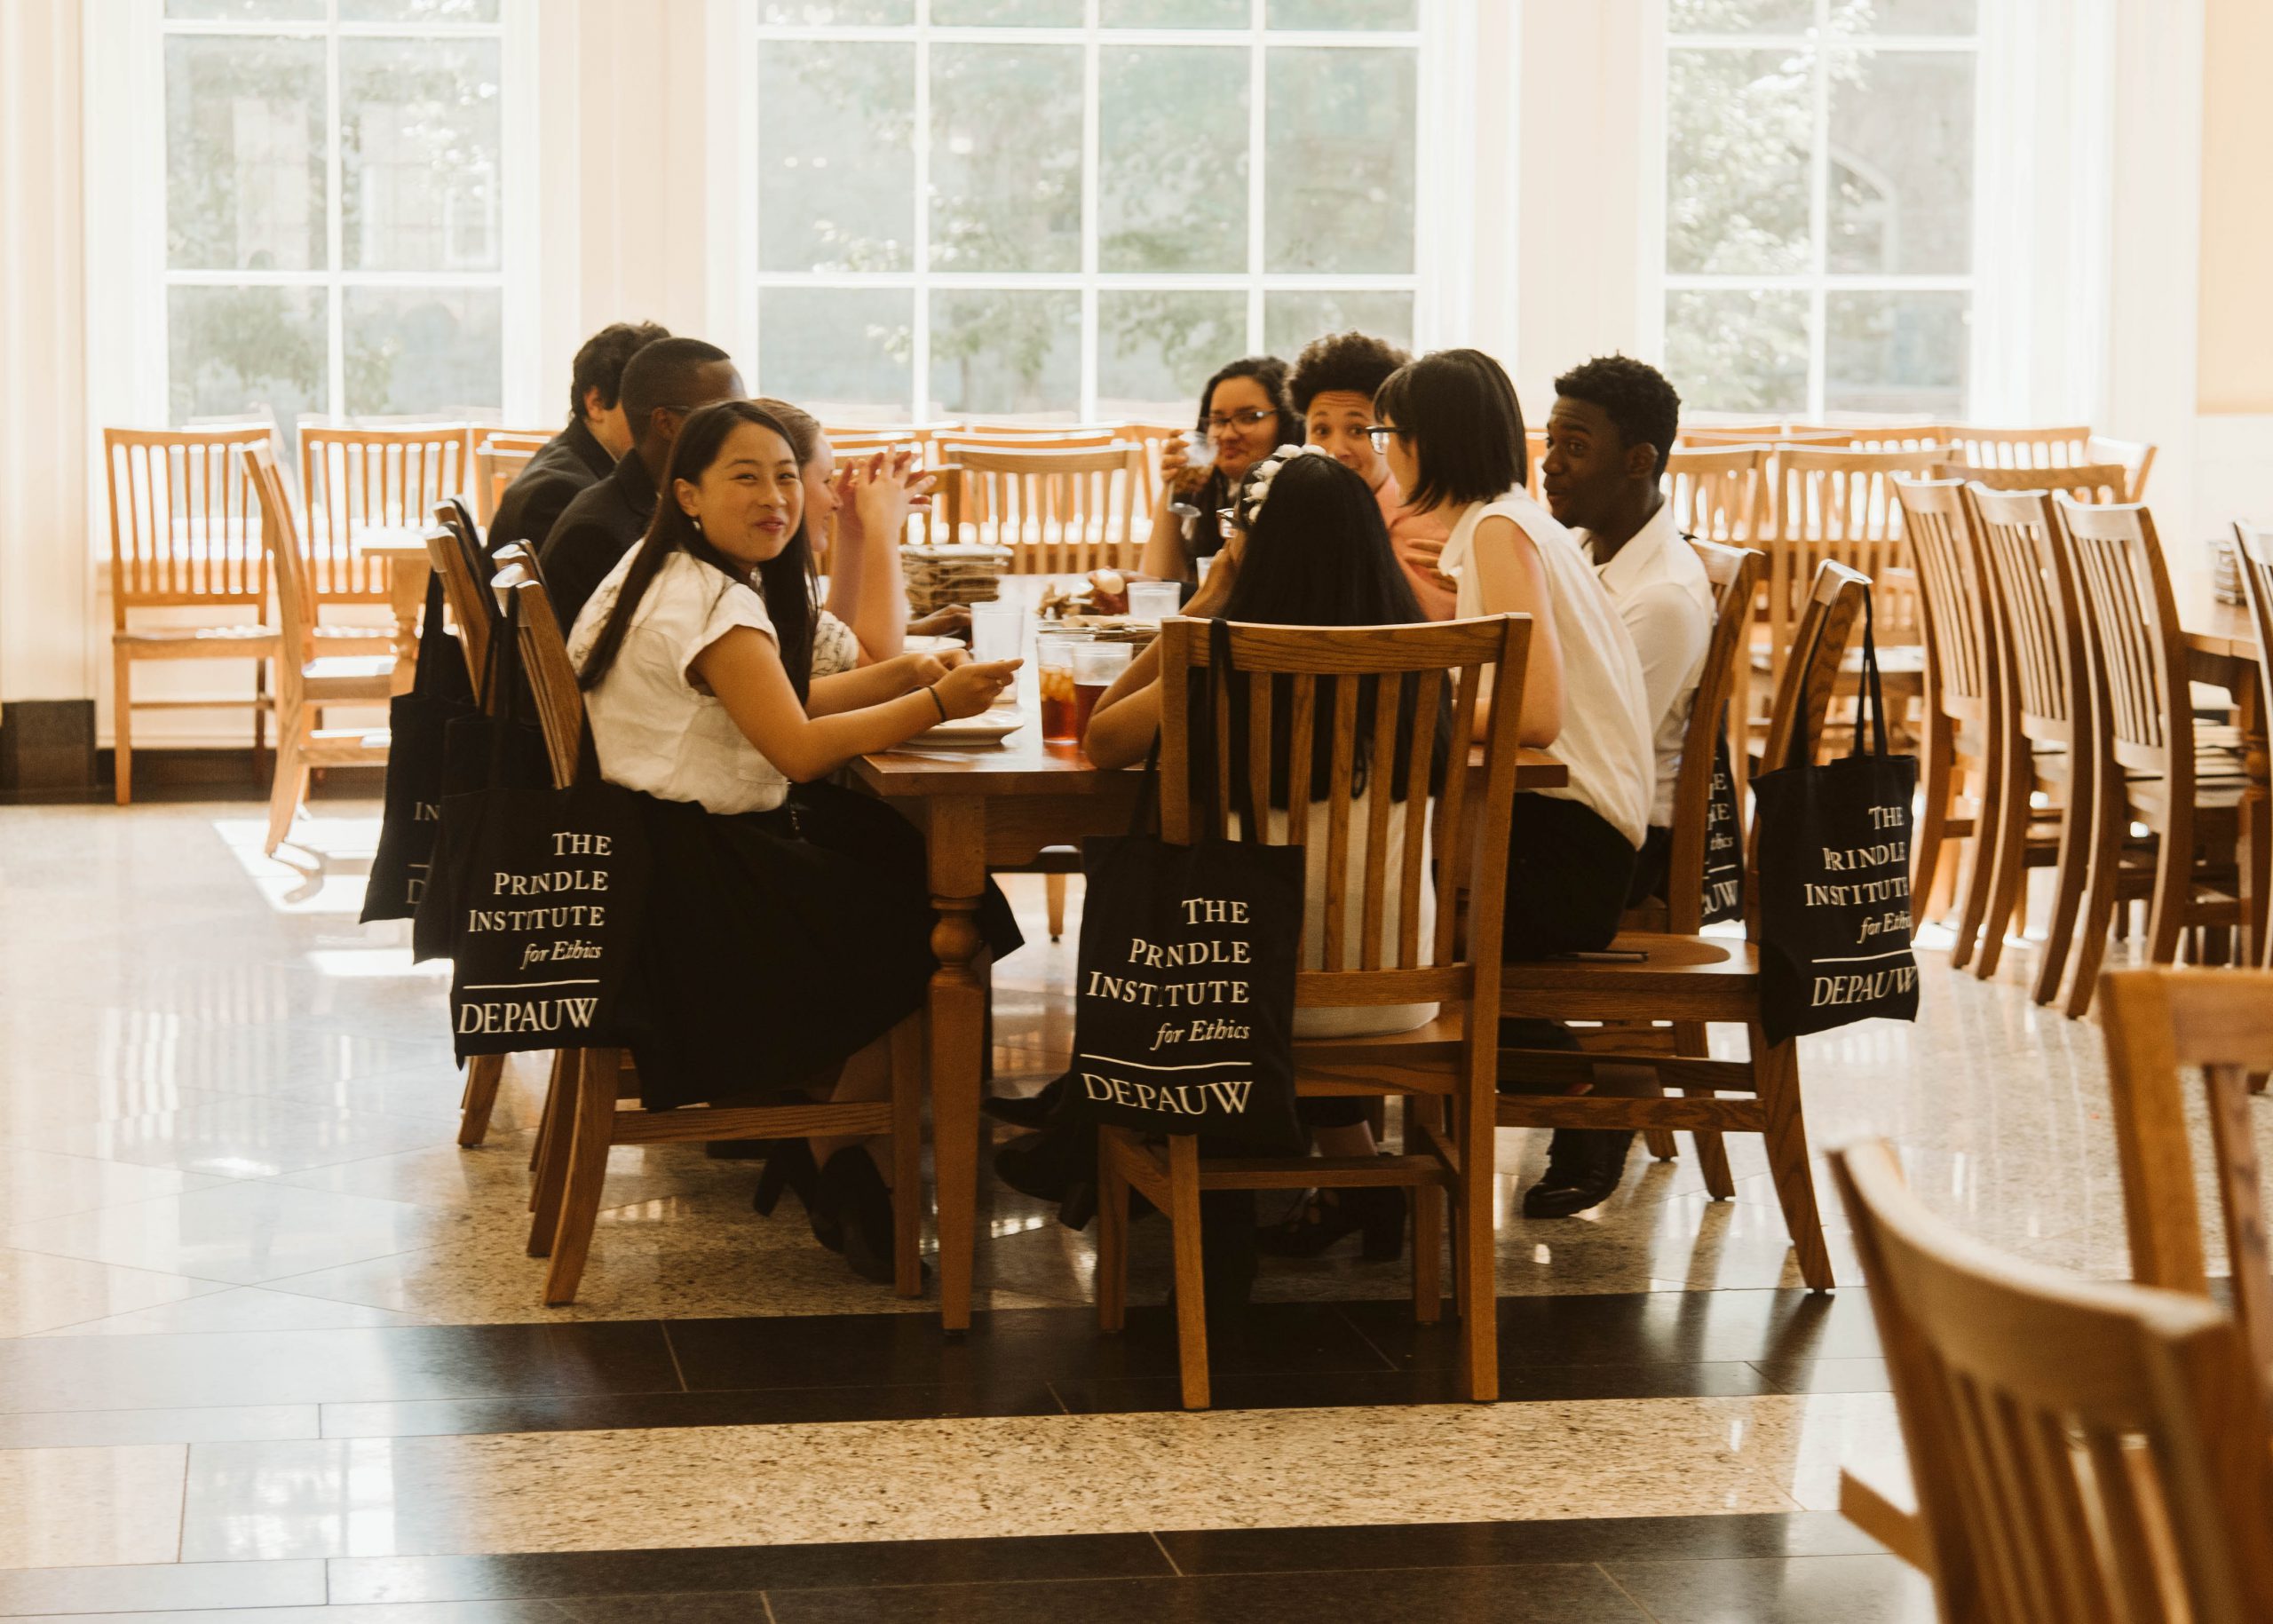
(1246, 419)
(1379, 433)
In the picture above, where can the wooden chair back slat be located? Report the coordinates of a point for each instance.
(279, 539)
(184, 522)
(1839, 506)
(1716, 491)
(1830, 621)
(1951, 601)
(465, 569)
(1735, 572)
(2085, 481)
(1986, 450)
(1367, 668)
(499, 455)
(1059, 510)
(2131, 637)
(2038, 613)
(2128, 1478)
(2161, 1025)
(544, 662)
(353, 480)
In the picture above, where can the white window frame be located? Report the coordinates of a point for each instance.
(736, 281)
(125, 156)
(1657, 283)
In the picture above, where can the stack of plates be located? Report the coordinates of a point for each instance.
(954, 574)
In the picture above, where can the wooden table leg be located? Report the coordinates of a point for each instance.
(406, 591)
(956, 837)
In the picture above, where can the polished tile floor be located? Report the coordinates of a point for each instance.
(272, 1343)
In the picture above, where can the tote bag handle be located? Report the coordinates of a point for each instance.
(1871, 705)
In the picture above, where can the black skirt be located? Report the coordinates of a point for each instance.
(777, 944)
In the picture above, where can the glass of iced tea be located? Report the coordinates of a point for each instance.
(1095, 666)
(1054, 673)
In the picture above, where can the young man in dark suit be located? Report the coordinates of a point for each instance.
(585, 452)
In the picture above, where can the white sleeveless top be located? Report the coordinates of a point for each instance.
(1605, 741)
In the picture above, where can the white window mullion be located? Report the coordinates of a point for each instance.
(1256, 125)
(335, 169)
(920, 359)
(1819, 212)
(1091, 205)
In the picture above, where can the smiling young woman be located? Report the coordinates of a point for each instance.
(787, 923)
(1243, 413)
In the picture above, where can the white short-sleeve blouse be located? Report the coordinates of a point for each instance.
(655, 726)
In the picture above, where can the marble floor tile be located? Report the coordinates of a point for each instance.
(104, 1429)
(977, 1476)
(40, 1292)
(236, 1308)
(244, 1136)
(36, 1185)
(148, 1587)
(492, 1180)
(90, 1507)
(246, 1233)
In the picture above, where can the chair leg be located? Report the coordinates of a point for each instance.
(1690, 1038)
(545, 1118)
(2069, 877)
(593, 1126)
(1428, 1216)
(1053, 890)
(553, 1149)
(483, 1073)
(1474, 1253)
(1661, 1144)
(1113, 1234)
(2109, 815)
(290, 786)
(259, 715)
(1978, 924)
(121, 727)
(1996, 898)
(1776, 1068)
(1935, 772)
(1190, 1272)
(907, 1156)
(2174, 887)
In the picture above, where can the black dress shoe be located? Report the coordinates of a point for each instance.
(1322, 1217)
(789, 1168)
(855, 1197)
(1583, 1168)
(1026, 1111)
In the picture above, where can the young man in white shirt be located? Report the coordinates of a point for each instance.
(1614, 424)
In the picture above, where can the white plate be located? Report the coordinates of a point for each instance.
(932, 645)
(988, 727)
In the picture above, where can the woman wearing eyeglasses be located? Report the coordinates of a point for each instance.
(1243, 413)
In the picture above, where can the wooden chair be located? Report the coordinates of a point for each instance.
(2254, 557)
(2136, 456)
(458, 557)
(2126, 1479)
(2003, 448)
(596, 1091)
(305, 681)
(184, 535)
(2150, 768)
(1964, 708)
(1735, 573)
(1839, 506)
(2045, 726)
(1060, 511)
(1447, 1061)
(2085, 481)
(1716, 491)
(1694, 981)
(1708, 434)
(499, 455)
(354, 480)
(1881, 434)
(1534, 455)
(2220, 1023)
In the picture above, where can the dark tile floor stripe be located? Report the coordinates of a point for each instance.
(743, 1568)
(409, 1381)
(1603, 1539)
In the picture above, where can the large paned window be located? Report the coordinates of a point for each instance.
(1063, 209)
(1820, 164)
(333, 244)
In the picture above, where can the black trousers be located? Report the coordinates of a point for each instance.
(1650, 867)
(1569, 872)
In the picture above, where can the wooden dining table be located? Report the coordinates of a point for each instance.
(402, 548)
(983, 807)
(2221, 650)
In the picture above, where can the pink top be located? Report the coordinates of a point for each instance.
(1406, 527)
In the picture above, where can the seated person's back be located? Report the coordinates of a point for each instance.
(585, 452)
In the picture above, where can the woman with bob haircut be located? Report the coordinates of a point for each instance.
(787, 923)
(1243, 413)
(1452, 432)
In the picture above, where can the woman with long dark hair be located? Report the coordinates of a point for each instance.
(1308, 547)
(788, 925)
(1243, 413)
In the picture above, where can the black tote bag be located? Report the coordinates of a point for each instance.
(1185, 998)
(1835, 878)
(499, 724)
(546, 890)
(1723, 841)
(416, 722)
